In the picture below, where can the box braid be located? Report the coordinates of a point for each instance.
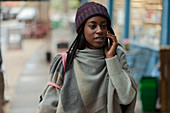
(79, 43)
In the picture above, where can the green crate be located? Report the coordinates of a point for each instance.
(148, 93)
(148, 82)
(148, 105)
(149, 90)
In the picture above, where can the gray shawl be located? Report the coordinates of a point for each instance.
(87, 87)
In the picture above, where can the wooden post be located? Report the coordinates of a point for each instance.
(168, 78)
(165, 78)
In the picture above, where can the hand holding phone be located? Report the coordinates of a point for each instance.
(111, 45)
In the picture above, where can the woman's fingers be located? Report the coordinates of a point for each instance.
(110, 51)
(112, 37)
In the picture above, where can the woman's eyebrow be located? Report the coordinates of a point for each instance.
(104, 21)
(92, 22)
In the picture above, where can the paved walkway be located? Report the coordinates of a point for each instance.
(30, 84)
(24, 77)
(27, 71)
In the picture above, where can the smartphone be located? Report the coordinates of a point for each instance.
(108, 41)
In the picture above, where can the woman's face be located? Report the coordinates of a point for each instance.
(95, 32)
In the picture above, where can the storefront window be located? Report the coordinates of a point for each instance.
(146, 22)
(118, 18)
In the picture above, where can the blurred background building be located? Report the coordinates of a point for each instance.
(27, 27)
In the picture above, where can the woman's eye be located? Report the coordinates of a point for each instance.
(104, 26)
(92, 26)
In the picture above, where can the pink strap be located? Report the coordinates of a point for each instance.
(49, 83)
(37, 111)
(64, 57)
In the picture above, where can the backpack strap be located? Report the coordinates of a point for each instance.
(37, 111)
(49, 83)
(64, 57)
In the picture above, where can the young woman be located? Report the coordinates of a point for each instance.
(97, 77)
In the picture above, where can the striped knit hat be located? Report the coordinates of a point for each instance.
(88, 10)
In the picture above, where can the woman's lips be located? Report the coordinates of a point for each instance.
(99, 39)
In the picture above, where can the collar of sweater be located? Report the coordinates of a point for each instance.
(91, 57)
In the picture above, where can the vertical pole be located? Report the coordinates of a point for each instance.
(165, 32)
(126, 19)
(83, 1)
(110, 10)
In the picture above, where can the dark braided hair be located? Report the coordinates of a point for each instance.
(111, 30)
(79, 43)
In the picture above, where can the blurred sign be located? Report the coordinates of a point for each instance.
(15, 38)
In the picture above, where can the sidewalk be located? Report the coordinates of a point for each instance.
(27, 71)
(30, 84)
(16, 63)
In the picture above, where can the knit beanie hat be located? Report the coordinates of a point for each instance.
(88, 10)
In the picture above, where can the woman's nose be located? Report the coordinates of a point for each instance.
(99, 30)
